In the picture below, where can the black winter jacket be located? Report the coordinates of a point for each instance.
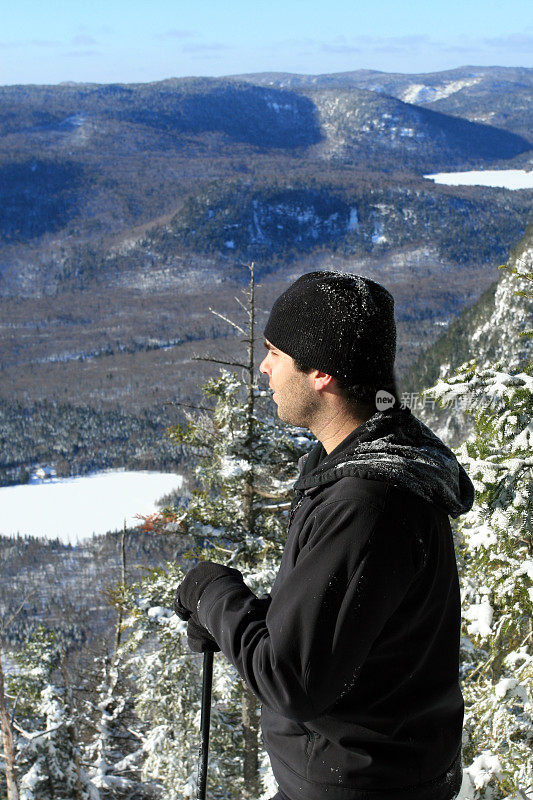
(355, 654)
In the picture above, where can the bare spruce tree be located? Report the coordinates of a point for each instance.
(7, 742)
(238, 517)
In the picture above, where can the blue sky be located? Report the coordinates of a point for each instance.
(134, 41)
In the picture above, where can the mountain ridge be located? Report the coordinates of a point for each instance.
(472, 92)
(81, 166)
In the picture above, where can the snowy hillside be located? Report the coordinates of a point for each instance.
(494, 338)
(423, 93)
(500, 336)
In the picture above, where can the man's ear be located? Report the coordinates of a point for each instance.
(322, 379)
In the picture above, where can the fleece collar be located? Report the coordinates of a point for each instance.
(395, 447)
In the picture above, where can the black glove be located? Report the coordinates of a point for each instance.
(196, 580)
(199, 639)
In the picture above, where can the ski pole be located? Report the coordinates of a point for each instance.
(204, 723)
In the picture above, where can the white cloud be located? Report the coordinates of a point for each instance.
(42, 43)
(82, 53)
(206, 47)
(83, 40)
(522, 42)
(367, 49)
(176, 34)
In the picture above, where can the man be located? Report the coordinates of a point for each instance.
(355, 654)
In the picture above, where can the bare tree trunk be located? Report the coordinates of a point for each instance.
(118, 628)
(72, 732)
(7, 739)
(250, 727)
(250, 705)
(250, 477)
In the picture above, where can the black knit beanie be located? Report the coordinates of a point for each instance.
(337, 323)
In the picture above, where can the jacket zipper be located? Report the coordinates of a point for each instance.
(310, 739)
(295, 508)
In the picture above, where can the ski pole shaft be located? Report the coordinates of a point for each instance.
(204, 723)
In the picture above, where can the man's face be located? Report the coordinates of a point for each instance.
(294, 395)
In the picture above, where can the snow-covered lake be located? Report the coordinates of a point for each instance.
(498, 178)
(72, 509)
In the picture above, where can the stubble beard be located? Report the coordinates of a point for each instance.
(297, 405)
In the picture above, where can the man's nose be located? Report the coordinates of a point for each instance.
(263, 366)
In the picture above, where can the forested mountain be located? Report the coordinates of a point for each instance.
(180, 106)
(128, 211)
(276, 222)
(85, 163)
(499, 96)
(78, 439)
(285, 219)
(78, 117)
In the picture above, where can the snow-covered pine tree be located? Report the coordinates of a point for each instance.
(115, 752)
(238, 517)
(168, 680)
(48, 755)
(114, 756)
(495, 547)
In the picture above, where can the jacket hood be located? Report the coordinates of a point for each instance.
(395, 447)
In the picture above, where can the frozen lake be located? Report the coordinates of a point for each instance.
(72, 509)
(498, 178)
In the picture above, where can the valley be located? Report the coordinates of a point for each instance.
(128, 212)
